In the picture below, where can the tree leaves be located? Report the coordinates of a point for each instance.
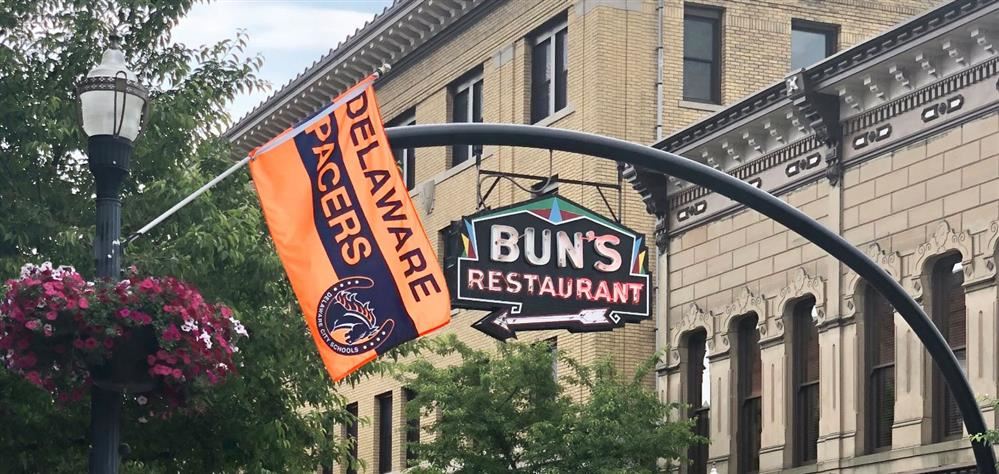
(506, 412)
(276, 415)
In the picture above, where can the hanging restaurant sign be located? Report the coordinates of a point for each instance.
(548, 263)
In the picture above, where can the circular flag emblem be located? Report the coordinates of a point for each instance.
(346, 319)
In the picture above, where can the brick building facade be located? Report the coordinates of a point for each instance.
(615, 67)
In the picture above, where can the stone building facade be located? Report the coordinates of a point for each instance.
(612, 67)
(794, 363)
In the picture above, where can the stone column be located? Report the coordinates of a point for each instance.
(833, 358)
(982, 332)
(775, 405)
(910, 375)
(722, 407)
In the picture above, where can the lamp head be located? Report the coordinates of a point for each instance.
(112, 102)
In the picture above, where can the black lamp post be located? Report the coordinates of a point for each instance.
(112, 105)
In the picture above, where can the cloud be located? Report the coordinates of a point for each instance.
(290, 35)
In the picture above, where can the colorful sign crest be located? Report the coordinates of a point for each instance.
(548, 263)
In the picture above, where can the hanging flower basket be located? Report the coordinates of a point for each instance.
(154, 336)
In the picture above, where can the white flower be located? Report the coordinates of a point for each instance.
(235, 349)
(27, 270)
(206, 338)
(189, 325)
(143, 419)
(141, 400)
(46, 266)
(239, 328)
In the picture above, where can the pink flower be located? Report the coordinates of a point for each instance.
(90, 343)
(84, 304)
(151, 359)
(32, 325)
(78, 343)
(27, 361)
(124, 313)
(51, 315)
(108, 343)
(171, 333)
(177, 373)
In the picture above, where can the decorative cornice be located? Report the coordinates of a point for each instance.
(801, 285)
(392, 35)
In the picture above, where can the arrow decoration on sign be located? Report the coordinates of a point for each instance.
(547, 263)
(501, 325)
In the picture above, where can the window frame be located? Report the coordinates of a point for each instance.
(385, 429)
(873, 305)
(746, 328)
(408, 160)
(467, 83)
(829, 30)
(713, 15)
(800, 422)
(550, 32)
(940, 415)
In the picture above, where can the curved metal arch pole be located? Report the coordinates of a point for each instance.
(417, 136)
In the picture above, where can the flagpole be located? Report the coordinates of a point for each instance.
(232, 169)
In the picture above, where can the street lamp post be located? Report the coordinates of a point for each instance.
(112, 105)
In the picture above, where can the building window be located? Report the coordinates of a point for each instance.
(879, 329)
(549, 70)
(384, 432)
(749, 381)
(702, 54)
(811, 42)
(466, 107)
(805, 357)
(351, 435)
(405, 157)
(412, 429)
(949, 315)
(699, 398)
(553, 350)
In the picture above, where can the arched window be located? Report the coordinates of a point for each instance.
(879, 370)
(804, 357)
(948, 310)
(749, 396)
(699, 398)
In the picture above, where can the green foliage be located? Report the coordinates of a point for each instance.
(505, 412)
(276, 415)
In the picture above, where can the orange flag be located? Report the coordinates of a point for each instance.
(348, 235)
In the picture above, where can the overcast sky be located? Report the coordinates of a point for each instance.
(291, 34)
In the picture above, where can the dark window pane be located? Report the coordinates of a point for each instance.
(750, 389)
(806, 350)
(879, 325)
(697, 81)
(751, 426)
(352, 436)
(561, 70)
(477, 113)
(412, 429)
(696, 348)
(950, 318)
(385, 433)
(810, 46)
(699, 38)
(883, 394)
(540, 81)
(459, 115)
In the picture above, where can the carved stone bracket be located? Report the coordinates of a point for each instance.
(891, 262)
(693, 319)
(943, 240)
(801, 286)
(821, 112)
(985, 261)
